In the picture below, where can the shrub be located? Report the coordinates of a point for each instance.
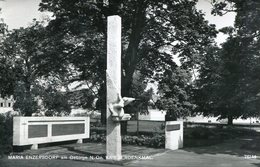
(155, 141)
(196, 136)
(6, 133)
(95, 137)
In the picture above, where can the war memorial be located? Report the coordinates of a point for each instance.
(129, 83)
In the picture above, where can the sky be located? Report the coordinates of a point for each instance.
(220, 22)
(19, 13)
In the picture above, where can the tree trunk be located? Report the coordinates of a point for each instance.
(101, 103)
(132, 58)
(230, 120)
(137, 120)
(28, 111)
(103, 116)
(127, 85)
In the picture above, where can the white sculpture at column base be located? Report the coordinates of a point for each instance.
(174, 135)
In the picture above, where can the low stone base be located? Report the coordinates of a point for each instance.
(34, 147)
(79, 141)
(174, 135)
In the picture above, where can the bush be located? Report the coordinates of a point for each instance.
(155, 141)
(197, 136)
(95, 137)
(6, 133)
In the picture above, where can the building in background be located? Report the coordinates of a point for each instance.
(6, 104)
(153, 115)
(159, 115)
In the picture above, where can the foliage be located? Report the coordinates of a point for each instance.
(174, 91)
(144, 96)
(24, 73)
(72, 48)
(4, 86)
(25, 101)
(152, 32)
(6, 133)
(96, 137)
(3, 27)
(196, 136)
(19, 60)
(156, 140)
(56, 103)
(228, 83)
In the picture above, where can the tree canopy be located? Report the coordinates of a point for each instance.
(229, 79)
(72, 48)
(23, 74)
(153, 31)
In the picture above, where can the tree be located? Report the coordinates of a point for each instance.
(4, 85)
(18, 61)
(143, 95)
(56, 102)
(23, 71)
(152, 32)
(174, 90)
(220, 92)
(3, 27)
(230, 87)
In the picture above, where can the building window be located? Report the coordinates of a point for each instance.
(2, 104)
(9, 104)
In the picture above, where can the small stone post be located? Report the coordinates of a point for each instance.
(174, 135)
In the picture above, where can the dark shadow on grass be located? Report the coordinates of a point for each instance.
(230, 147)
(256, 164)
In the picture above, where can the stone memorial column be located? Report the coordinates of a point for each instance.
(113, 138)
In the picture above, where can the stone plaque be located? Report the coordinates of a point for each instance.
(67, 129)
(37, 131)
(173, 127)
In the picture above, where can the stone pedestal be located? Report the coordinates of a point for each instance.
(174, 135)
(79, 141)
(34, 147)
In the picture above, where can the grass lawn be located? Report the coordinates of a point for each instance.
(196, 136)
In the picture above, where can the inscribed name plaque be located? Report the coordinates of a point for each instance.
(67, 129)
(174, 135)
(38, 130)
(173, 127)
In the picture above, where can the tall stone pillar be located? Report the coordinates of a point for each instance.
(113, 138)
